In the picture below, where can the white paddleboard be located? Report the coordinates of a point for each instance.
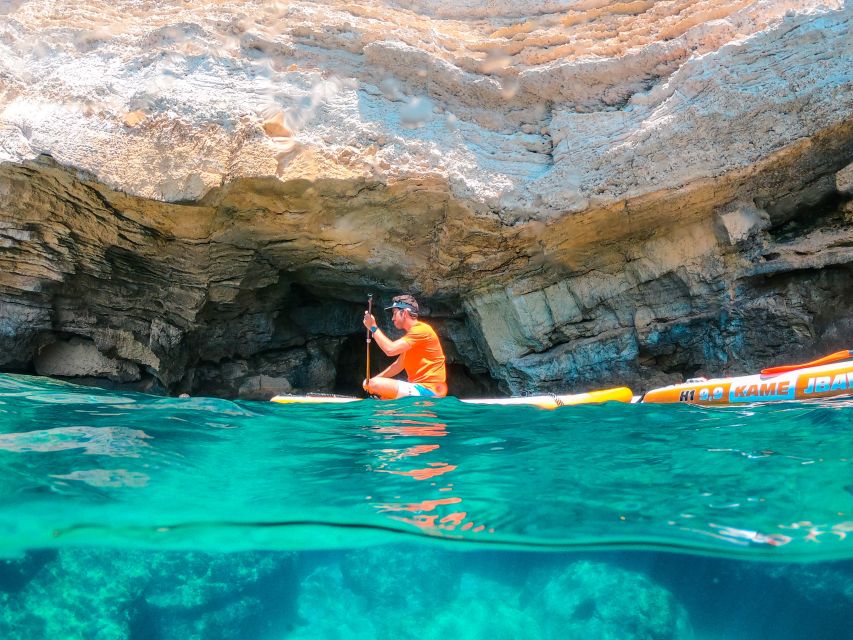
(550, 401)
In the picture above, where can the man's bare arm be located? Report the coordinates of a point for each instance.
(389, 346)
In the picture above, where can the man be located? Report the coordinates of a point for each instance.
(420, 355)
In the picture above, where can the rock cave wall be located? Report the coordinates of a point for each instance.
(181, 298)
(200, 199)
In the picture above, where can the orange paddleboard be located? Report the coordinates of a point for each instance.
(824, 381)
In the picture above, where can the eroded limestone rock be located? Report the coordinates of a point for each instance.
(588, 194)
(81, 358)
(844, 180)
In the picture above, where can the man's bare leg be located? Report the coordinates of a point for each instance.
(385, 388)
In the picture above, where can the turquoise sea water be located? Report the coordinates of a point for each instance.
(132, 516)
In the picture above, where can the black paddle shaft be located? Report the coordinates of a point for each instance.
(369, 312)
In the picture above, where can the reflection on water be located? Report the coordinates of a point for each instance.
(412, 458)
(103, 441)
(151, 519)
(756, 482)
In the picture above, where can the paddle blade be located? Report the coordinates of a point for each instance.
(838, 356)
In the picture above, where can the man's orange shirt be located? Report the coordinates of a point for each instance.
(424, 361)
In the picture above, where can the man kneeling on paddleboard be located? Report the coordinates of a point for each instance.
(419, 351)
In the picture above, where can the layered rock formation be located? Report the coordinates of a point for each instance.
(199, 196)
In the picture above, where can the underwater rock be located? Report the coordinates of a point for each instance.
(583, 600)
(482, 608)
(375, 575)
(108, 594)
(580, 195)
(446, 604)
(371, 587)
(343, 615)
(75, 596)
(827, 586)
(596, 600)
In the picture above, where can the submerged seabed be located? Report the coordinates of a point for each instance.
(124, 515)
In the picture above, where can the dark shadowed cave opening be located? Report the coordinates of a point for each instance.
(285, 336)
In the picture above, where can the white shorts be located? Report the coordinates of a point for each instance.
(405, 389)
